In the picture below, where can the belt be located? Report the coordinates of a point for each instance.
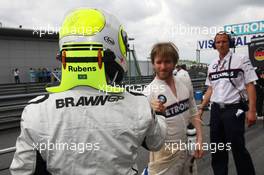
(226, 106)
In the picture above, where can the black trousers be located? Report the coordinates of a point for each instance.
(227, 128)
(260, 100)
(17, 80)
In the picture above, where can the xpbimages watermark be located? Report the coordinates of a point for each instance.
(182, 146)
(60, 146)
(74, 30)
(135, 88)
(185, 29)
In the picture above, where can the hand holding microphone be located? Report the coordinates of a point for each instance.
(158, 104)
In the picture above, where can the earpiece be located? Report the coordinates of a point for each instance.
(231, 40)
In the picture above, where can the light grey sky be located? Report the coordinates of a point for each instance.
(148, 21)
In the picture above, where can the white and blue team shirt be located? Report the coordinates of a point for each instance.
(179, 109)
(241, 73)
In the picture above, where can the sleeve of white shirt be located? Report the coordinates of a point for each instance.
(249, 71)
(193, 107)
(207, 81)
(157, 131)
(147, 92)
(158, 127)
(24, 161)
(192, 103)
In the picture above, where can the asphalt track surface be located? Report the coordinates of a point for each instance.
(254, 139)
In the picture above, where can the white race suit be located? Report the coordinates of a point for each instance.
(85, 131)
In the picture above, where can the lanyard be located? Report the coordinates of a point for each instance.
(230, 58)
(233, 84)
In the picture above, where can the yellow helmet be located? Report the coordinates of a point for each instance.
(93, 47)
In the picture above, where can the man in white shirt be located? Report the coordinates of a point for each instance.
(182, 72)
(228, 77)
(172, 97)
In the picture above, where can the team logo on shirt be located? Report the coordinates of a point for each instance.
(177, 108)
(232, 73)
(87, 101)
(162, 98)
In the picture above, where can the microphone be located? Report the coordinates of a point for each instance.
(162, 99)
